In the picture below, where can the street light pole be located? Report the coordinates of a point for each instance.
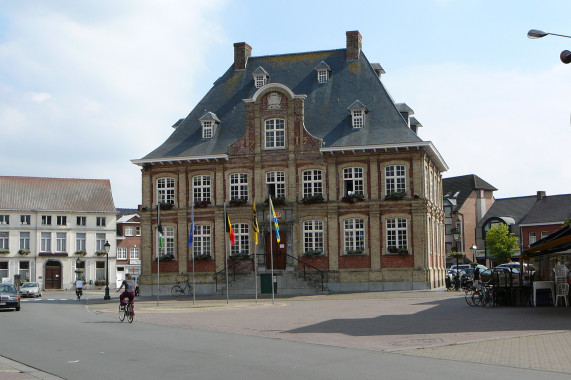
(565, 55)
(107, 247)
(474, 249)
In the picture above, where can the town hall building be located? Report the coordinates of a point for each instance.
(357, 193)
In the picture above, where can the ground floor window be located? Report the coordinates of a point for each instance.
(201, 240)
(242, 245)
(354, 236)
(24, 271)
(397, 234)
(100, 270)
(313, 236)
(3, 269)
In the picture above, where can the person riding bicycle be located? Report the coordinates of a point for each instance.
(129, 292)
(78, 288)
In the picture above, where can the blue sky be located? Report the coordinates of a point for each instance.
(87, 86)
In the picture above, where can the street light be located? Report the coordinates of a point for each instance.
(565, 55)
(473, 249)
(107, 246)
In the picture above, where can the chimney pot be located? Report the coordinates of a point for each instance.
(540, 195)
(354, 44)
(242, 51)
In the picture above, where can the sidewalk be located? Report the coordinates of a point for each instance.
(11, 370)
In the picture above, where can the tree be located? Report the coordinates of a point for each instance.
(500, 242)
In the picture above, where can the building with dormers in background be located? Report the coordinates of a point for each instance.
(128, 244)
(357, 193)
(53, 230)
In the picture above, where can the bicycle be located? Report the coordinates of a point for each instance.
(126, 312)
(180, 289)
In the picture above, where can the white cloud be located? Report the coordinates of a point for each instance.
(510, 128)
(91, 85)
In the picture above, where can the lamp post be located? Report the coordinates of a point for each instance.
(473, 249)
(107, 247)
(565, 55)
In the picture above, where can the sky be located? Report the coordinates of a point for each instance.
(87, 86)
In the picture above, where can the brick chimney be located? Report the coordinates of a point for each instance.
(242, 51)
(354, 44)
(541, 195)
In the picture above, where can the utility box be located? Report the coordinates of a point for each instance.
(266, 283)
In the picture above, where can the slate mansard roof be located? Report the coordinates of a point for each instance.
(56, 194)
(326, 114)
(461, 187)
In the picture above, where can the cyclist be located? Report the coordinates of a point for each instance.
(129, 292)
(79, 288)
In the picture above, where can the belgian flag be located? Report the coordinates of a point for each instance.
(230, 231)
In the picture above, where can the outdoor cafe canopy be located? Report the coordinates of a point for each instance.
(558, 241)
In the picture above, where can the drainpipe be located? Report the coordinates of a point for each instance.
(463, 236)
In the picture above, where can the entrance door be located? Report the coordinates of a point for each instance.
(279, 250)
(53, 275)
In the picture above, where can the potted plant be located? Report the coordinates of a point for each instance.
(280, 201)
(358, 251)
(353, 197)
(24, 251)
(166, 205)
(392, 249)
(402, 251)
(4, 251)
(100, 252)
(312, 253)
(241, 255)
(395, 196)
(238, 201)
(165, 257)
(205, 256)
(80, 252)
(312, 199)
(202, 204)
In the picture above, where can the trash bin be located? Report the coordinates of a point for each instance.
(266, 283)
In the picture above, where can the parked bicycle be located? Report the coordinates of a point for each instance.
(480, 296)
(181, 288)
(126, 312)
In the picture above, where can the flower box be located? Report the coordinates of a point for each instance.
(312, 199)
(24, 252)
(80, 253)
(276, 202)
(201, 204)
(313, 253)
(352, 198)
(395, 196)
(4, 251)
(166, 205)
(100, 253)
(238, 202)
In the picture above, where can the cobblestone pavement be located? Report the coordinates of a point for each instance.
(434, 324)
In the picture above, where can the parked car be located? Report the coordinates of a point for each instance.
(9, 297)
(499, 272)
(30, 289)
(516, 265)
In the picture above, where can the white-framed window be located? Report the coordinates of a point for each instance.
(275, 184)
(81, 221)
(207, 128)
(532, 237)
(138, 231)
(168, 241)
(313, 236)
(544, 234)
(128, 230)
(61, 220)
(80, 239)
(135, 253)
(353, 181)
(201, 188)
(358, 118)
(100, 270)
(239, 186)
(25, 220)
(100, 221)
(259, 80)
(312, 183)
(395, 179)
(165, 190)
(201, 243)
(4, 240)
(121, 253)
(322, 76)
(61, 241)
(4, 219)
(354, 235)
(46, 242)
(46, 220)
(24, 270)
(275, 133)
(100, 242)
(24, 240)
(3, 269)
(242, 245)
(397, 233)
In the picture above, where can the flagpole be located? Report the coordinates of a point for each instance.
(271, 247)
(158, 253)
(255, 258)
(191, 231)
(226, 254)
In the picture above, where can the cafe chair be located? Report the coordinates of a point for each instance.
(562, 290)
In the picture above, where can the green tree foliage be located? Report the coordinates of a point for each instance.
(500, 242)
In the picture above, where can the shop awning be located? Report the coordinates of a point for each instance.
(556, 242)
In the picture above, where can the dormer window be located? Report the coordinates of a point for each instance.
(260, 77)
(209, 121)
(358, 112)
(322, 70)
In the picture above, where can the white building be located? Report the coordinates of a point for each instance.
(54, 230)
